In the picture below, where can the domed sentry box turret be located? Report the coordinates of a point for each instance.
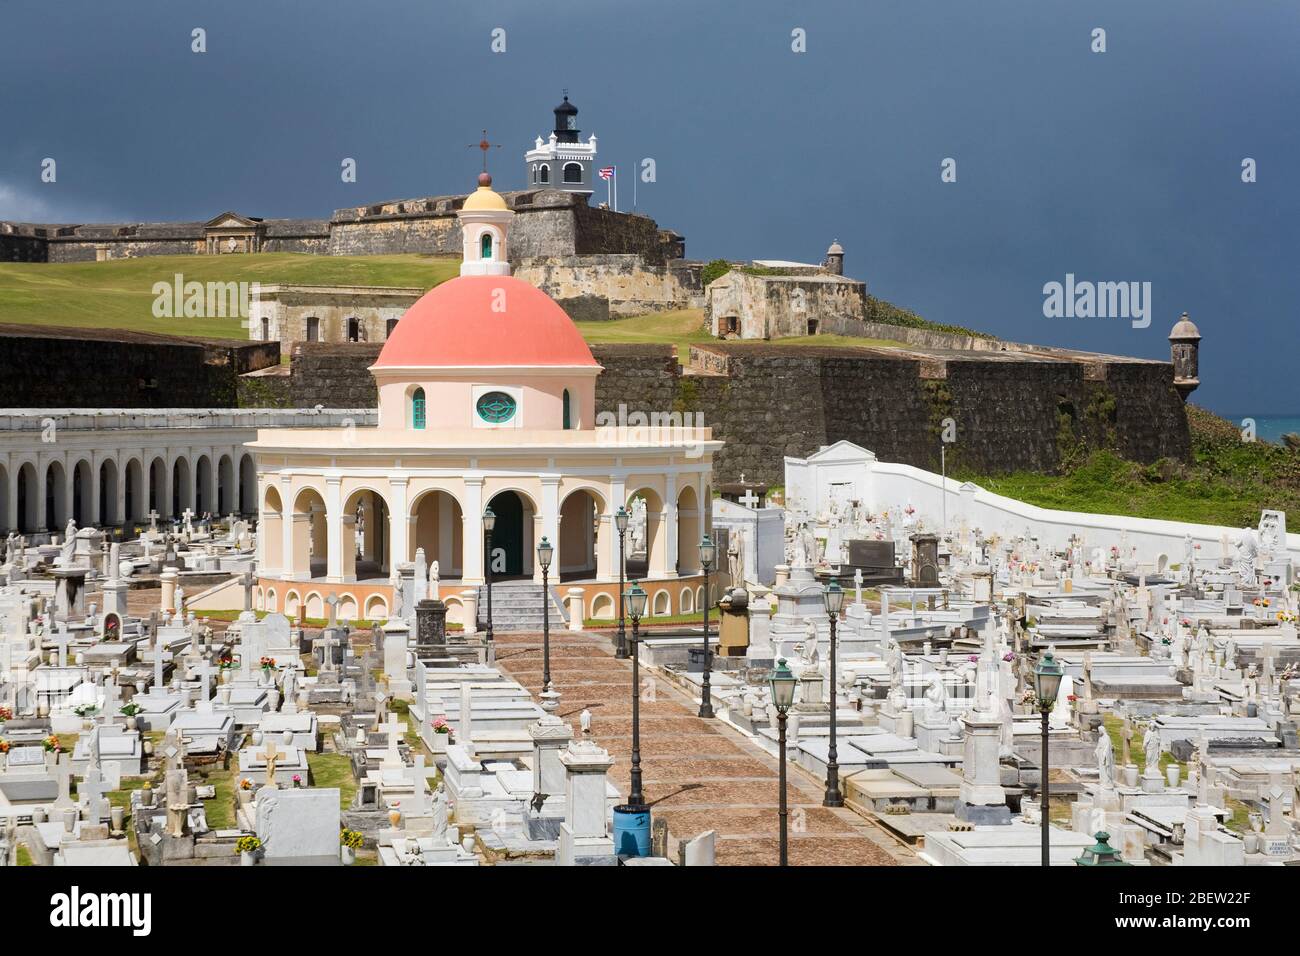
(1184, 348)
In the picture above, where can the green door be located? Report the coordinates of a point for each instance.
(508, 535)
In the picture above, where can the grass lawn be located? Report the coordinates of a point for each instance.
(119, 294)
(1239, 822)
(122, 798)
(221, 808)
(333, 770)
(1113, 725)
(24, 856)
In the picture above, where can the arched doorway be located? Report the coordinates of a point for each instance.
(108, 493)
(28, 517)
(512, 536)
(370, 534)
(203, 496)
(310, 558)
(579, 513)
(135, 498)
(645, 535)
(160, 499)
(182, 488)
(225, 486)
(82, 494)
(439, 530)
(247, 486)
(56, 512)
(270, 531)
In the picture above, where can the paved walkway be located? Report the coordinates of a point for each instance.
(698, 774)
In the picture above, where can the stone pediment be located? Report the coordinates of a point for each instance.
(231, 220)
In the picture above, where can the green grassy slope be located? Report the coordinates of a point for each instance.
(119, 294)
(1228, 482)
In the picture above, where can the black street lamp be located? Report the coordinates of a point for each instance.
(1047, 682)
(489, 522)
(620, 524)
(834, 598)
(636, 598)
(707, 553)
(544, 552)
(782, 683)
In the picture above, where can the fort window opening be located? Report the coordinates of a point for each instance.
(266, 328)
(812, 326)
(354, 330)
(313, 329)
(388, 328)
(544, 173)
(573, 172)
(417, 409)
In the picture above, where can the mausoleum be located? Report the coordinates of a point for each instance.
(486, 399)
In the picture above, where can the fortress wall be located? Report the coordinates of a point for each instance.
(23, 248)
(84, 250)
(767, 402)
(104, 371)
(627, 283)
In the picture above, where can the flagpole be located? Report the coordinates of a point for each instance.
(609, 194)
(616, 189)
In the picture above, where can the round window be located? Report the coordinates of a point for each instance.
(496, 407)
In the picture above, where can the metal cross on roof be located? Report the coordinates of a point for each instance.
(484, 145)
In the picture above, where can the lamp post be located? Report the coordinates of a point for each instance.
(489, 522)
(636, 598)
(707, 553)
(1047, 681)
(544, 552)
(834, 598)
(782, 683)
(620, 523)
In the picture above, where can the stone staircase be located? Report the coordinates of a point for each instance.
(517, 606)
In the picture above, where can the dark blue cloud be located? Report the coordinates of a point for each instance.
(1115, 166)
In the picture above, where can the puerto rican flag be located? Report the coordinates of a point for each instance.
(607, 172)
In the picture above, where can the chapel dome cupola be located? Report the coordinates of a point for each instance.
(484, 224)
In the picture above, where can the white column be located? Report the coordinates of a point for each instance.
(670, 524)
(550, 522)
(472, 533)
(11, 497)
(399, 523)
(68, 485)
(607, 547)
(446, 536)
(123, 462)
(334, 528)
(90, 496)
(286, 527)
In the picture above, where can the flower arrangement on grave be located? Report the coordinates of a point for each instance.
(1290, 671)
(4, 746)
(248, 844)
(51, 744)
(85, 710)
(440, 725)
(352, 839)
(297, 780)
(245, 784)
(267, 664)
(227, 661)
(1261, 602)
(129, 709)
(1009, 656)
(1072, 698)
(6, 713)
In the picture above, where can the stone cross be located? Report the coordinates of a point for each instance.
(857, 584)
(1268, 652)
(394, 729)
(271, 754)
(1126, 736)
(160, 655)
(153, 519)
(749, 499)
(62, 638)
(247, 580)
(333, 602)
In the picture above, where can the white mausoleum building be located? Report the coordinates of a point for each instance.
(487, 397)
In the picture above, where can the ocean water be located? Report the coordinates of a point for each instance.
(1269, 427)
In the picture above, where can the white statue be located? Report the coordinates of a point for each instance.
(1105, 753)
(1151, 748)
(1247, 553)
(936, 695)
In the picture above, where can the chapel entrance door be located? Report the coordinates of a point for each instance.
(507, 536)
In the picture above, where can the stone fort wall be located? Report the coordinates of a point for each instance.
(1013, 412)
(47, 367)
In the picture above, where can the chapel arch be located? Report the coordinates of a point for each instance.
(438, 528)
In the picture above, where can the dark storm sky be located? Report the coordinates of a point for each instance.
(1122, 166)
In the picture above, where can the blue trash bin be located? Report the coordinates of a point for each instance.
(631, 830)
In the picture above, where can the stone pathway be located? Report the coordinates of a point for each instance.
(698, 774)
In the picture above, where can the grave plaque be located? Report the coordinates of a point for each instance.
(430, 623)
